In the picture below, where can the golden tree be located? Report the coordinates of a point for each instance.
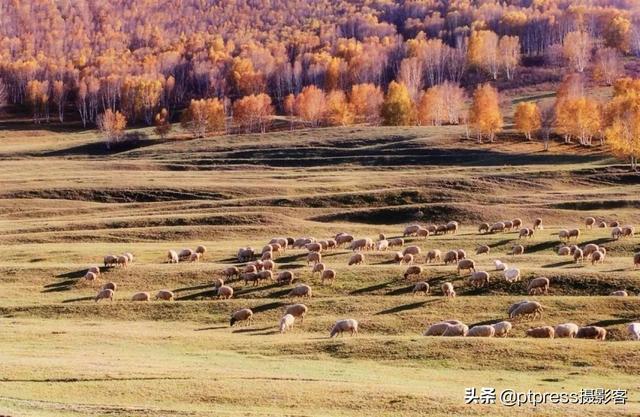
(623, 134)
(485, 116)
(366, 101)
(527, 118)
(253, 113)
(397, 109)
(430, 108)
(204, 116)
(338, 110)
(311, 105)
(112, 124)
(576, 48)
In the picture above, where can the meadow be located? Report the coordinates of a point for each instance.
(65, 203)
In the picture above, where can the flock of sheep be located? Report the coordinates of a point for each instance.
(260, 266)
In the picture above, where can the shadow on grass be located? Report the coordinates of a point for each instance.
(202, 329)
(196, 287)
(202, 294)
(252, 329)
(266, 307)
(558, 264)
(406, 307)
(613, 322)
(401, 291)
(73, 300)
(486, 322)
(371, 288)
(252, 289)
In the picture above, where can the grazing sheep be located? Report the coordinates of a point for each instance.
(129, 257)
(314, 257)
(563, 235)
(422, 286)
(479, 279)
(484, 228)
(297, 311)
(286, 322)
(447, 290)
(497, 227)
(356, 259)
(433, 255)
(282, 241)
(250, 268)
(452, 227)
(536, 285)
(185, 254)
(544, 332)
(244, 314)
(110, 260)
(94, 269)
(636, 260)
(564, 250)
(246, 254)
(634, 330)
(514, 306)
(597, 257)
(345, 325)
(437, 329)
(589, 249)
(456, 330)
(537, 224)
(319, 267)
(267, 256)
(502, 328)
(620, 293)
(301, 290)
(250, 277)
(529, 308)
(481, 331)
(201, 249)
(413, 270)
(616, 233)
(441, 229)
(343, 239)
(90, 276)
(628, 231)
(331, 243)
(268, 265)
(195, 257)
(285, 277)
(172, 257)
(413, 250)
(217, 283)
(225, 292)
(110, 286)
(398, 257)
(526, 232)
(602, 224)
(313, 247)
(591, 332)
(517, 223)
(328, 275)
(574, 234)
(123, 261)
(264, 276)
(411, 230)
(500, 266)
(382, 245)
(396, 242)
(589, 222)
(407, 259)
(324, 244)
(566, 331)
(578, 255)
(483, 249)
(450, 257)
(165, 295)
(432, 228)
(508, 225)
(461, 254)
(361, 244)
(141, 296)
(614, 223)
(517, 250)
(466, 265)
(106, 294)
(302, 242)
(422, 232)
(231, 271)
(382, 236)
(512, 275)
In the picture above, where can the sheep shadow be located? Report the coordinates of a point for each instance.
(248, 290)
(558, 264)
(202, 329)
(279, 294)
(542, 246)
(401, 291)
(267, 307)
(60, 286)
(388, 262)
(252, 329)
(269, 333)
(196, 287)
(405, 307)
(290, 258)
(77, 274)
(371, 288)
(502, 243)
(486, 322)
(73, 300)
(198, 295)
(612, 322)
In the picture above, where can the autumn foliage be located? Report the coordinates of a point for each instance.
(485, 115)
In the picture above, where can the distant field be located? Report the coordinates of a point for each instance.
(65, 203)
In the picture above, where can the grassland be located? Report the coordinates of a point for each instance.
(64, 203)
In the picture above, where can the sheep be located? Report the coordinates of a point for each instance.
(574, 234)
(217, 283)
(620, 293)
(563, 235)
(231, 271)
(246, 254)
(141, 296)
(314, 257)
(106, 294)
(324, 244)
(589, 222)
(302, 242)
(250, 277)
(360, 244)
(511, 275)
(483, 249)
(636, 260)
(331, 243)
(517, 250)
(244, 314)
(225, 292)
(452, 227)
(540, 284)
(628, 231)
(110, 286)
(195, 257)
(398, 257)
(301, 290)
(578, 256)
(396, 242)
(525, 232)
(433, 255)
(500, 266)
(422, 286)
(343, 239)
(165, 295)
(481, 331)
(172, 257)
(537, 224)
(484, 228)
(545, 332)
(616, 233)
(269, 265)
(602, 224)
(517, 223)
(447, 290)
(456, 330)
(313, 247)
(614, 223)
(450, 257)
(589, 249)
(266, 256)
(432, 228)
(497, 227)
(413, 250)
(280, 241)
(514, 306)
(90, 276)
(356, 259)
(413, 270)
(328, 275)
(591, 332)
(382, 245)
(461, 254)
(411, 230)
(437, 329)
(319, 267)
(342, 326)
(110, 260)
(123, 261)
(564, 251)
(422, 232)
(508, 224)
(297, 311)
(185, 254)
(94, 269)
(572, 249)
(250, 269)
(264, 275)
(529, 308)
(502, 328)
(466, 265)
(201, 249)
(286, 322)
(129, 257)
(479, 279)
(597, 257)
(407, 259)
(382, 236)
(634, 330)
(285, 277)
(566, 331)
(441, 229)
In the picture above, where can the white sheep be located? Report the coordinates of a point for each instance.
(286, 322)
(512, 275)
(342, 326)
(502, 328)
(244, 314)
(172, 257)
(634, 330)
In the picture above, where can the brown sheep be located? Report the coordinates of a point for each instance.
(110, 286)
(90, 276)
(597, 257)
(94, 269)
(508, 224)
(407, 259)
(165, 295)
(441, 229)
(614, 223)
(356, 259)
(450, 257)
(195, 257)
(602, 224)
(483, 249)
(421, 287)
(411, 230)
(479, 279)
(110, 260)
(328, 275)
(297, 311)
(540, 284)
(264, 276)
(217, 283)
(266, 256)
(422, 232)
(564, 251)
(250, 269)
(285, 277)
(589, 222)
(589, 249)
(433, 256)
(447, 290)
(591, 332)
(396, 242)
(636, 260)
(578, 255)
(413, 250)
(313, 247)
(466, 265)
(398, 257)
(301, 290)
(432, 228)
(413, 270)
(517, 223)
(616, 233)
(225, 292)
(545, 332)
(106, 294)
(574, 234)
(141, 296)
(343, 239)
(537, 224)
(269, 265)
(526, 232)
(185, 254)
(628, 231)
(319, 267)
(244, 314)
(563, 235)
(314, 257)
(231, 271)
(497, 227)
(517, 250)
(461, 254)
(123, 261)
(452, 227)
(201, 249)
(484, 228)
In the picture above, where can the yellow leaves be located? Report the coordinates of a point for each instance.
(253, 113)
(623, 116)
(366, 101)
(527, 118)
(338, 109)
(397, 109)
(112, 124)
(204, 116)
(579, 117)
(311, 105)
(577, 48)
(485, 115)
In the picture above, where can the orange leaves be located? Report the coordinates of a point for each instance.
(204, 116)
(311, 105)
(527, 118)
(397, 109)
(485, 115)
(253, 113)
(577, 48)
(112, 124)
